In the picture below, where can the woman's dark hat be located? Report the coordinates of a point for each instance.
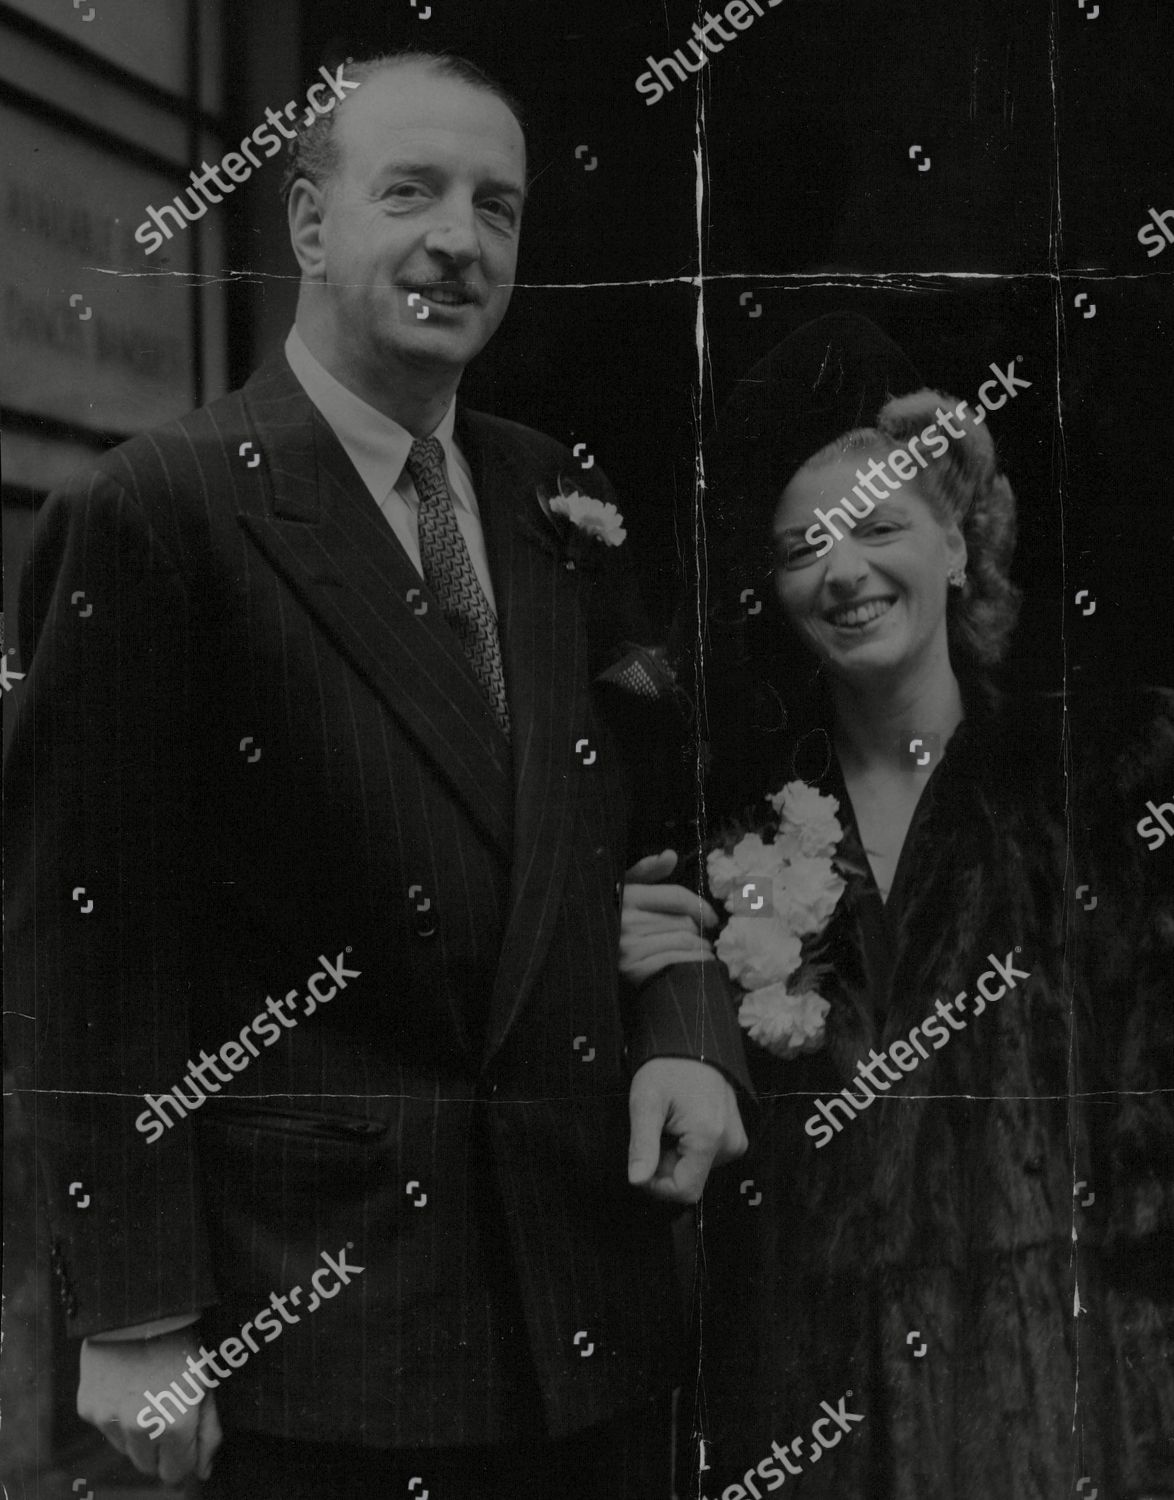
(824, 379)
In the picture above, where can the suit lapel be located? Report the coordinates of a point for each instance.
(544, 647)
(327, 537)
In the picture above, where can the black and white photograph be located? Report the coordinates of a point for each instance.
(588, 713)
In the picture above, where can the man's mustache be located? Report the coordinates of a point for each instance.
(452, 285)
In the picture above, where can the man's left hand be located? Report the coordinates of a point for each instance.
(685, 1121)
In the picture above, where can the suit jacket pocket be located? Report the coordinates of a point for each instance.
(289, 1157)
(311, 1124)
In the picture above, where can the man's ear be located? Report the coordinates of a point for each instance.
(306, 208)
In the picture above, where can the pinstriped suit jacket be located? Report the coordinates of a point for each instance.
(260, 747)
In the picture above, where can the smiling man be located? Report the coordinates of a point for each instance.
(405, 217)
(345, 574)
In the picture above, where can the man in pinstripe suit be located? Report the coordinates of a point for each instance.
(336, 714)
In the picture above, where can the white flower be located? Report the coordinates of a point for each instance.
(780, 893)
(810, 815)
(784, 1024)
(787, 842)
(801, 892)
(758, 950)
(800, 803)
(805, 893)
(595, 517)
(749, 858)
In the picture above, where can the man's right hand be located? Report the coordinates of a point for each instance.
(115, 1378)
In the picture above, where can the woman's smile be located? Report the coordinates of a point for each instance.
(876, 599)
(858, 616)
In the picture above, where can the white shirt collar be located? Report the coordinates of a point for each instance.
(376, 444)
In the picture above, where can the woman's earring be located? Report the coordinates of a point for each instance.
(956, 577)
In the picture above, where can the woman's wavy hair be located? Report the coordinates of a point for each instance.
(964, 485)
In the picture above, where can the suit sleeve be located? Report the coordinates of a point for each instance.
(690, 1010)
(687, 1010)
(103, 886)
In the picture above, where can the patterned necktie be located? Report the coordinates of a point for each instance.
(449, 573)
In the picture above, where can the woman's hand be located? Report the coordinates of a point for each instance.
(661, 924)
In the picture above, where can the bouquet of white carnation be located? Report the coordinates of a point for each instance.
(780, 886)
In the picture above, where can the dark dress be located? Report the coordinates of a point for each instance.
(983, 1256)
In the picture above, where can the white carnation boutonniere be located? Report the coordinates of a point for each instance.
(780, 885)
(594, 520)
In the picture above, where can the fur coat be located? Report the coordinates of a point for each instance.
(983, 1256)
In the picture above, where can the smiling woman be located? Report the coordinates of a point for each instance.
(945, 1214)
(955, 519)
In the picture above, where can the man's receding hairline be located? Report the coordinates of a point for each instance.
(435, 69)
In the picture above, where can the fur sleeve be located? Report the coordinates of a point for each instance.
(1131, 967)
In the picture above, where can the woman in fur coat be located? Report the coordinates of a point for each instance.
(944, 1269)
